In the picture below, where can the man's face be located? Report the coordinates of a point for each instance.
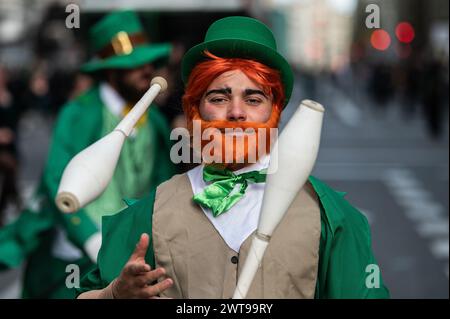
(233, 101)
(133, 83)
(233, 97)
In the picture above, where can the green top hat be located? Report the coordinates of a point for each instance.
(240, 37)
(119, 42)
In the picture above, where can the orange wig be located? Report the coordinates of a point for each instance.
(205, 72)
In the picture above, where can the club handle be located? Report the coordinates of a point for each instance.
(158, 84)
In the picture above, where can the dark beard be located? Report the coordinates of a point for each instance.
(128, 92)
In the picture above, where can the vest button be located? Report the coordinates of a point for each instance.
(234, 259)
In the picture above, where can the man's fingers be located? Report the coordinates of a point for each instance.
(143, 274)
(141, 248)
(157, 289)
(136, 269)
(153, 275)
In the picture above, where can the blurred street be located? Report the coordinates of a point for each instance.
(398, 176)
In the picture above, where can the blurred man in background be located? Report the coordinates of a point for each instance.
(124, 65)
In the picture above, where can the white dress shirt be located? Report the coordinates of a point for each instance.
(241, 220)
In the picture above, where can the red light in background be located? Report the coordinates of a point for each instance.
(405, 32)
(380, 40)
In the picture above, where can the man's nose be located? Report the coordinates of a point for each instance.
(236, 112)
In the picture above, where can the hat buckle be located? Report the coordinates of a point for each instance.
(121, 43)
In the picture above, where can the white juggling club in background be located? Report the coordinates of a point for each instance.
(88, 174)
(291, 162)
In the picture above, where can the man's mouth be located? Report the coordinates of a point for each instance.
(238, 132)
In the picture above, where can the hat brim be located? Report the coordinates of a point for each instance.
(230, 48)
(141, 55)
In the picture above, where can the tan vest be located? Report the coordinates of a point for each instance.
(201, 264)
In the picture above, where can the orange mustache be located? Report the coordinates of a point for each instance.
(235, 151)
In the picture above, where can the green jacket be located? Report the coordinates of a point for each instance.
(344, 254)
(32, 236)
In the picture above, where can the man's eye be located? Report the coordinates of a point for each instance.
(217, 100)
(254, 101)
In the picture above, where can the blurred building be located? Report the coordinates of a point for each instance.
(317, 34)
(19, 24)
(161, 5)
(30, 27)
(429, 21)
(321, 34)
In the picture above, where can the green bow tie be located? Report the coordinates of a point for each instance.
(219, 196)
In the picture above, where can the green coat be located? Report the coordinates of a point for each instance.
(345, 246)
(32, 236)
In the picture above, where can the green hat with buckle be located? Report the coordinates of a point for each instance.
(240, 37)
(119, 42)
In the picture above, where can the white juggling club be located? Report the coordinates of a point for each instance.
(291, 162)
(88, 174)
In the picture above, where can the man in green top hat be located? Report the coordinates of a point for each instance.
(50, 241)
(194, 232)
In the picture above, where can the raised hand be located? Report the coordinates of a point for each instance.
(137, 279)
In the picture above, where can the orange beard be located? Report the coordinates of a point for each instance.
(235, 152)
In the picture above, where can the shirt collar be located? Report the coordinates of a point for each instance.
(262, 163)
(112, 99)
